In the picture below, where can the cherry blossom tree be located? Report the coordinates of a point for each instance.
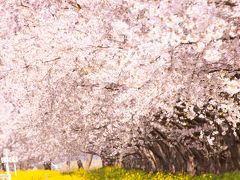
(146, 84)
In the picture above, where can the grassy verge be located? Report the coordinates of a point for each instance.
(115, 173)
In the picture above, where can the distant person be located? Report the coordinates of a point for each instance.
(47, 165)
(79, 163)
(68, 165)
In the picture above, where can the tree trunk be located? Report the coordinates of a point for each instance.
(89, 161)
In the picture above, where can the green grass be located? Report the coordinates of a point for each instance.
(115, 173)
(228, 176)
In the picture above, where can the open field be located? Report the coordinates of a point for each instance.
(114, 173)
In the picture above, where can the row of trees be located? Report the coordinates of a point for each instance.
(99, 78)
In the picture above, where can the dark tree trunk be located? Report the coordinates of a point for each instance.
(183, 145)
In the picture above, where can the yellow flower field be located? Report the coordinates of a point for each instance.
(114, 173)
